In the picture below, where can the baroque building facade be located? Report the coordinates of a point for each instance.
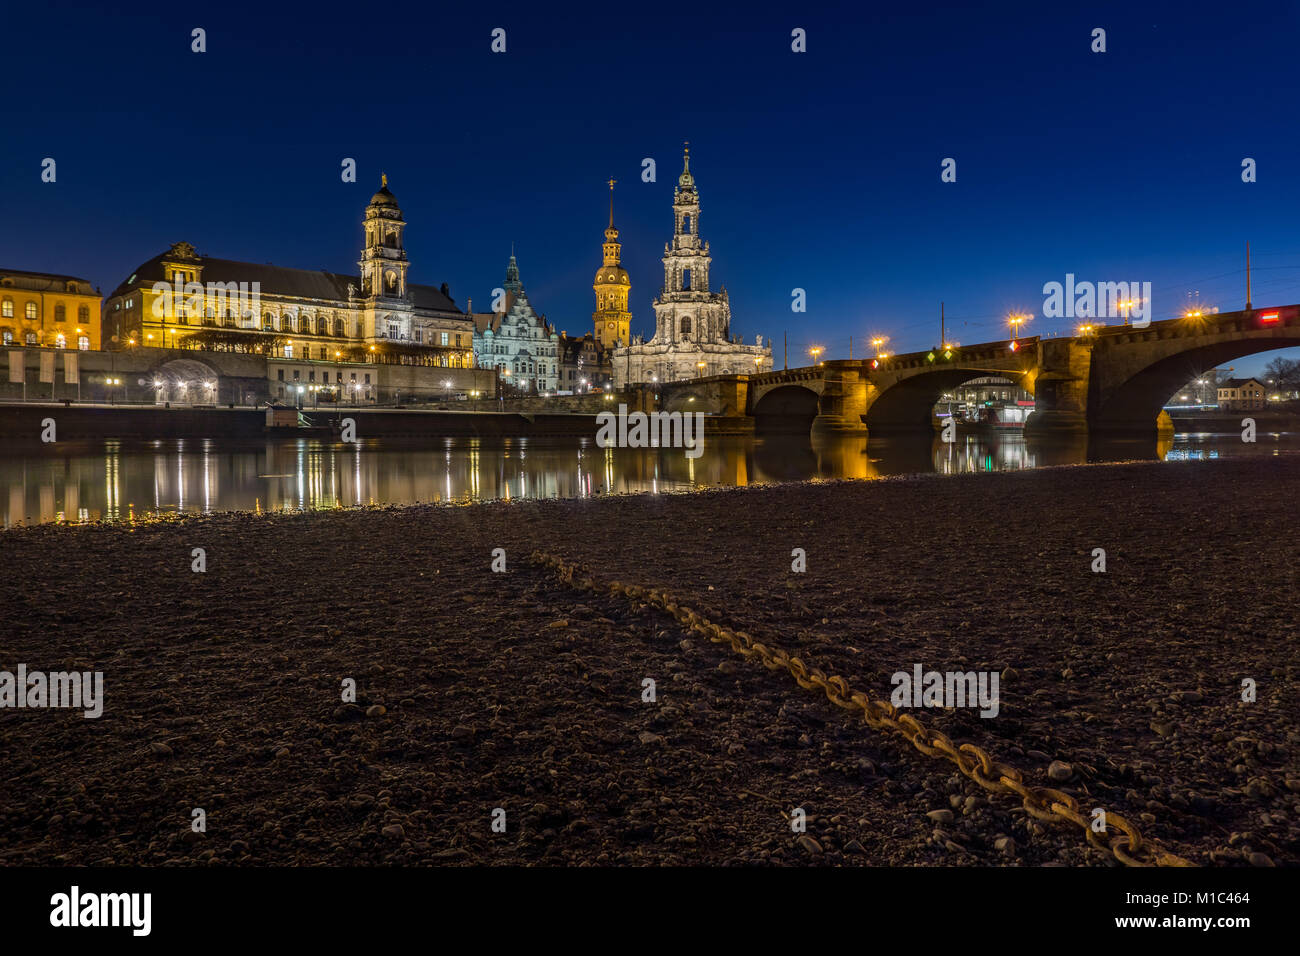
(181, 299)
(692, 323)
(41, 309)
(516, 341)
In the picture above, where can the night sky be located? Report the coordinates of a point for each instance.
(817, 170)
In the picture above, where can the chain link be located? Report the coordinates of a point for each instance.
(1042, 803)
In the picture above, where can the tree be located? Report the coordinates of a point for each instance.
(1284, 374)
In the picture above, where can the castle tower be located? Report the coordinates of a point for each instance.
(612, 320)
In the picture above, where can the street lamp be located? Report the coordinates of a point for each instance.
(815, 351)
(758, 363)
(700, 366)
(1016, 321)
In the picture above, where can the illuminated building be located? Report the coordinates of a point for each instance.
(692, 324)
(612, 321)
(40, 309)
(516, 340)
(182, 299)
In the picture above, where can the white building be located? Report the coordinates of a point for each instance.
(692, 325)
(517, 341)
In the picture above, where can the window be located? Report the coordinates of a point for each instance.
(83, 343)
(446, 339)
(280, 374)
(83, 312)
(311, 376)
(31, 338)
(324, 354)
(296, 374)
(686, 279)
(686, 325)
(392, 330)
(8, 337)
(419, 335)
(367, 378)
(7, 308)
(288, 350)
(60, 313)
(31, 310)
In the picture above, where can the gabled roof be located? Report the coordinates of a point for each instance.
(1239, 382)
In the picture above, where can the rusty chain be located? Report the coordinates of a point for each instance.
(1042, 803)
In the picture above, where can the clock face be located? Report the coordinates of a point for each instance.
(611, 326)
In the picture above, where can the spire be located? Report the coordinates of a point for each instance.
(512, 270)
(686, 180)
(612, 181)
(383, 180)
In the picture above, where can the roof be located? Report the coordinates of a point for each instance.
(1239, 382)
(50, 276)
(280, 280)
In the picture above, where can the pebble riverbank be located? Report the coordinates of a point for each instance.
(481, 690)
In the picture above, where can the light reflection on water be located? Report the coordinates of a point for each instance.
(118, 480)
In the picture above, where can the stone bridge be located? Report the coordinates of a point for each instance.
(1114, 379)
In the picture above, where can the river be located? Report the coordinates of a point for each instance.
(121, 480)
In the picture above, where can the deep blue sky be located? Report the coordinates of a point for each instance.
(817, 170)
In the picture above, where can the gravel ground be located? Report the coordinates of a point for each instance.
(481, 690)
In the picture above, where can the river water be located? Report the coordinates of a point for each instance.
(120, 480)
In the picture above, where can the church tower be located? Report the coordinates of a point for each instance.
(612, 320)
(686, 311)
(386, 302)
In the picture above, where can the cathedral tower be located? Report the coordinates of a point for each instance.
(612, 320)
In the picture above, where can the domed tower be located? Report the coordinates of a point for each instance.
(385, 306)
(383, 261)
(612, 320)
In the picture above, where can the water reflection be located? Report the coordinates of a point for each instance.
(117, 480)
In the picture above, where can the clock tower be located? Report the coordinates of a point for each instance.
(612, 320)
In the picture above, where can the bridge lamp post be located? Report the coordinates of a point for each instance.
(700, 366)
(1016, 321)
(815, 351)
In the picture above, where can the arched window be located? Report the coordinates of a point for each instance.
(686, 223)
(686, 326)
(267, 323)
(31, 338)
(339, 329)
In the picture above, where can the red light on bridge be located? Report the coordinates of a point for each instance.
(1013, 346)
(1268, 318)
(875, 363)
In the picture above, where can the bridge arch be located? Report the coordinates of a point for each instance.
(1136, 400)
(786, 409)
(908, 404)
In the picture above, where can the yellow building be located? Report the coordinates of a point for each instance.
(612, 320)
(43, 309)
(180, 299)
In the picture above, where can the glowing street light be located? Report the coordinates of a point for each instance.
(815, 351)
(1016, 321)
